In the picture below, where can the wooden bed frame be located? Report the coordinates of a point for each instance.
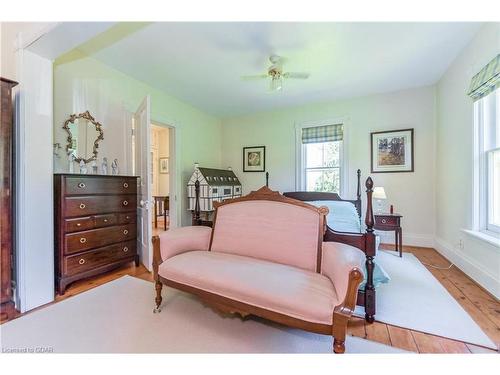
(363, 241)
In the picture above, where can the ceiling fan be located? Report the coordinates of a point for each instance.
(275, 72)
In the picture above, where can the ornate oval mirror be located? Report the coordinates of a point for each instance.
(84, 135)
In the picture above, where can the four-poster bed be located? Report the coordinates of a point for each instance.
(365, 241)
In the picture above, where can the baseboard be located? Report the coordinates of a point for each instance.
(469, 266)
(410, 239)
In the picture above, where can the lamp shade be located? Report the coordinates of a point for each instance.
(379, 193)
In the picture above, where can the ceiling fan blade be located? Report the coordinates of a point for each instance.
(296, 75)
(252, 77)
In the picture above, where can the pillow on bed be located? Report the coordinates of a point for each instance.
(343, 216)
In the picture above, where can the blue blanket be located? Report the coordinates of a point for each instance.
(343, 217)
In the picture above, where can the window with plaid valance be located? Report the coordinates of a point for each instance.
(327, 133)
(486, 81)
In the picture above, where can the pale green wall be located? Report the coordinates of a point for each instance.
(411, 193)
(454, 161)
(105, 92)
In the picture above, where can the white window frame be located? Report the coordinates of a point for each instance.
(300, 165)
(489, 176)
(482, 195)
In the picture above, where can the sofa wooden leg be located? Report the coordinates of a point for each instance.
(339, 331)
(369, 318)
(338, 346)
(158, 299)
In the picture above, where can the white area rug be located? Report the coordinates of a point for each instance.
(117, 318)
(415, 299)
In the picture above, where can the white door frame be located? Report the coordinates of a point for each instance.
(34, 182)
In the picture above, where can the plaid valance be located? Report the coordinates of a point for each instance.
(486, 81)
(327, 133)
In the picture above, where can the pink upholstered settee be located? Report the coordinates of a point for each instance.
(265, 256)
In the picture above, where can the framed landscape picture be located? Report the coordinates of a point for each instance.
(392, 151)
(254, 159)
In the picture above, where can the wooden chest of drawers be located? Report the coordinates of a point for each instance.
(95, 225)
(7, 219)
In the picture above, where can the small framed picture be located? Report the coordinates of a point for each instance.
(392, 151)
(254, 159)
(163, 165)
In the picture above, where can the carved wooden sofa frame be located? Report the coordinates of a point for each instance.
(340, 314)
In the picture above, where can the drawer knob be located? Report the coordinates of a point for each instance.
(384, 221)
(125, 185)
(125, 203)
(78, 224)
(82, 206)
(81, 185)
(125, 231)
(127, 217)
(81, 261)
(83, 240)
(125, 249)
(105, 220)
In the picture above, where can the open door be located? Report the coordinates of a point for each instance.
(142, 168)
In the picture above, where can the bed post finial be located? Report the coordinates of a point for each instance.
(267, 179)
(358, 194)
(196, 219)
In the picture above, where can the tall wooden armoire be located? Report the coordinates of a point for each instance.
(6, 199)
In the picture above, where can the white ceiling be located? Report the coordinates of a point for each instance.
(202, 63)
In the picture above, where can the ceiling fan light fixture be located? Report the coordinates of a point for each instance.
(275, 72)
(276, 83)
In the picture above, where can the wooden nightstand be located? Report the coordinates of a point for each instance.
(391, 223)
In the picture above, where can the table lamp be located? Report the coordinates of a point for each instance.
(379, 195)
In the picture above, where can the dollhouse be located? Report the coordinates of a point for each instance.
(215, 185)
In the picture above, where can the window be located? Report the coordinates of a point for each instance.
(487, 114)
(321, 159)
(322, 166)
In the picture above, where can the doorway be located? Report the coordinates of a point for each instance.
(162, 176)
(153, 147)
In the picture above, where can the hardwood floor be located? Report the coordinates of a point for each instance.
(161, 226)
(157, 231)
(481, 306)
